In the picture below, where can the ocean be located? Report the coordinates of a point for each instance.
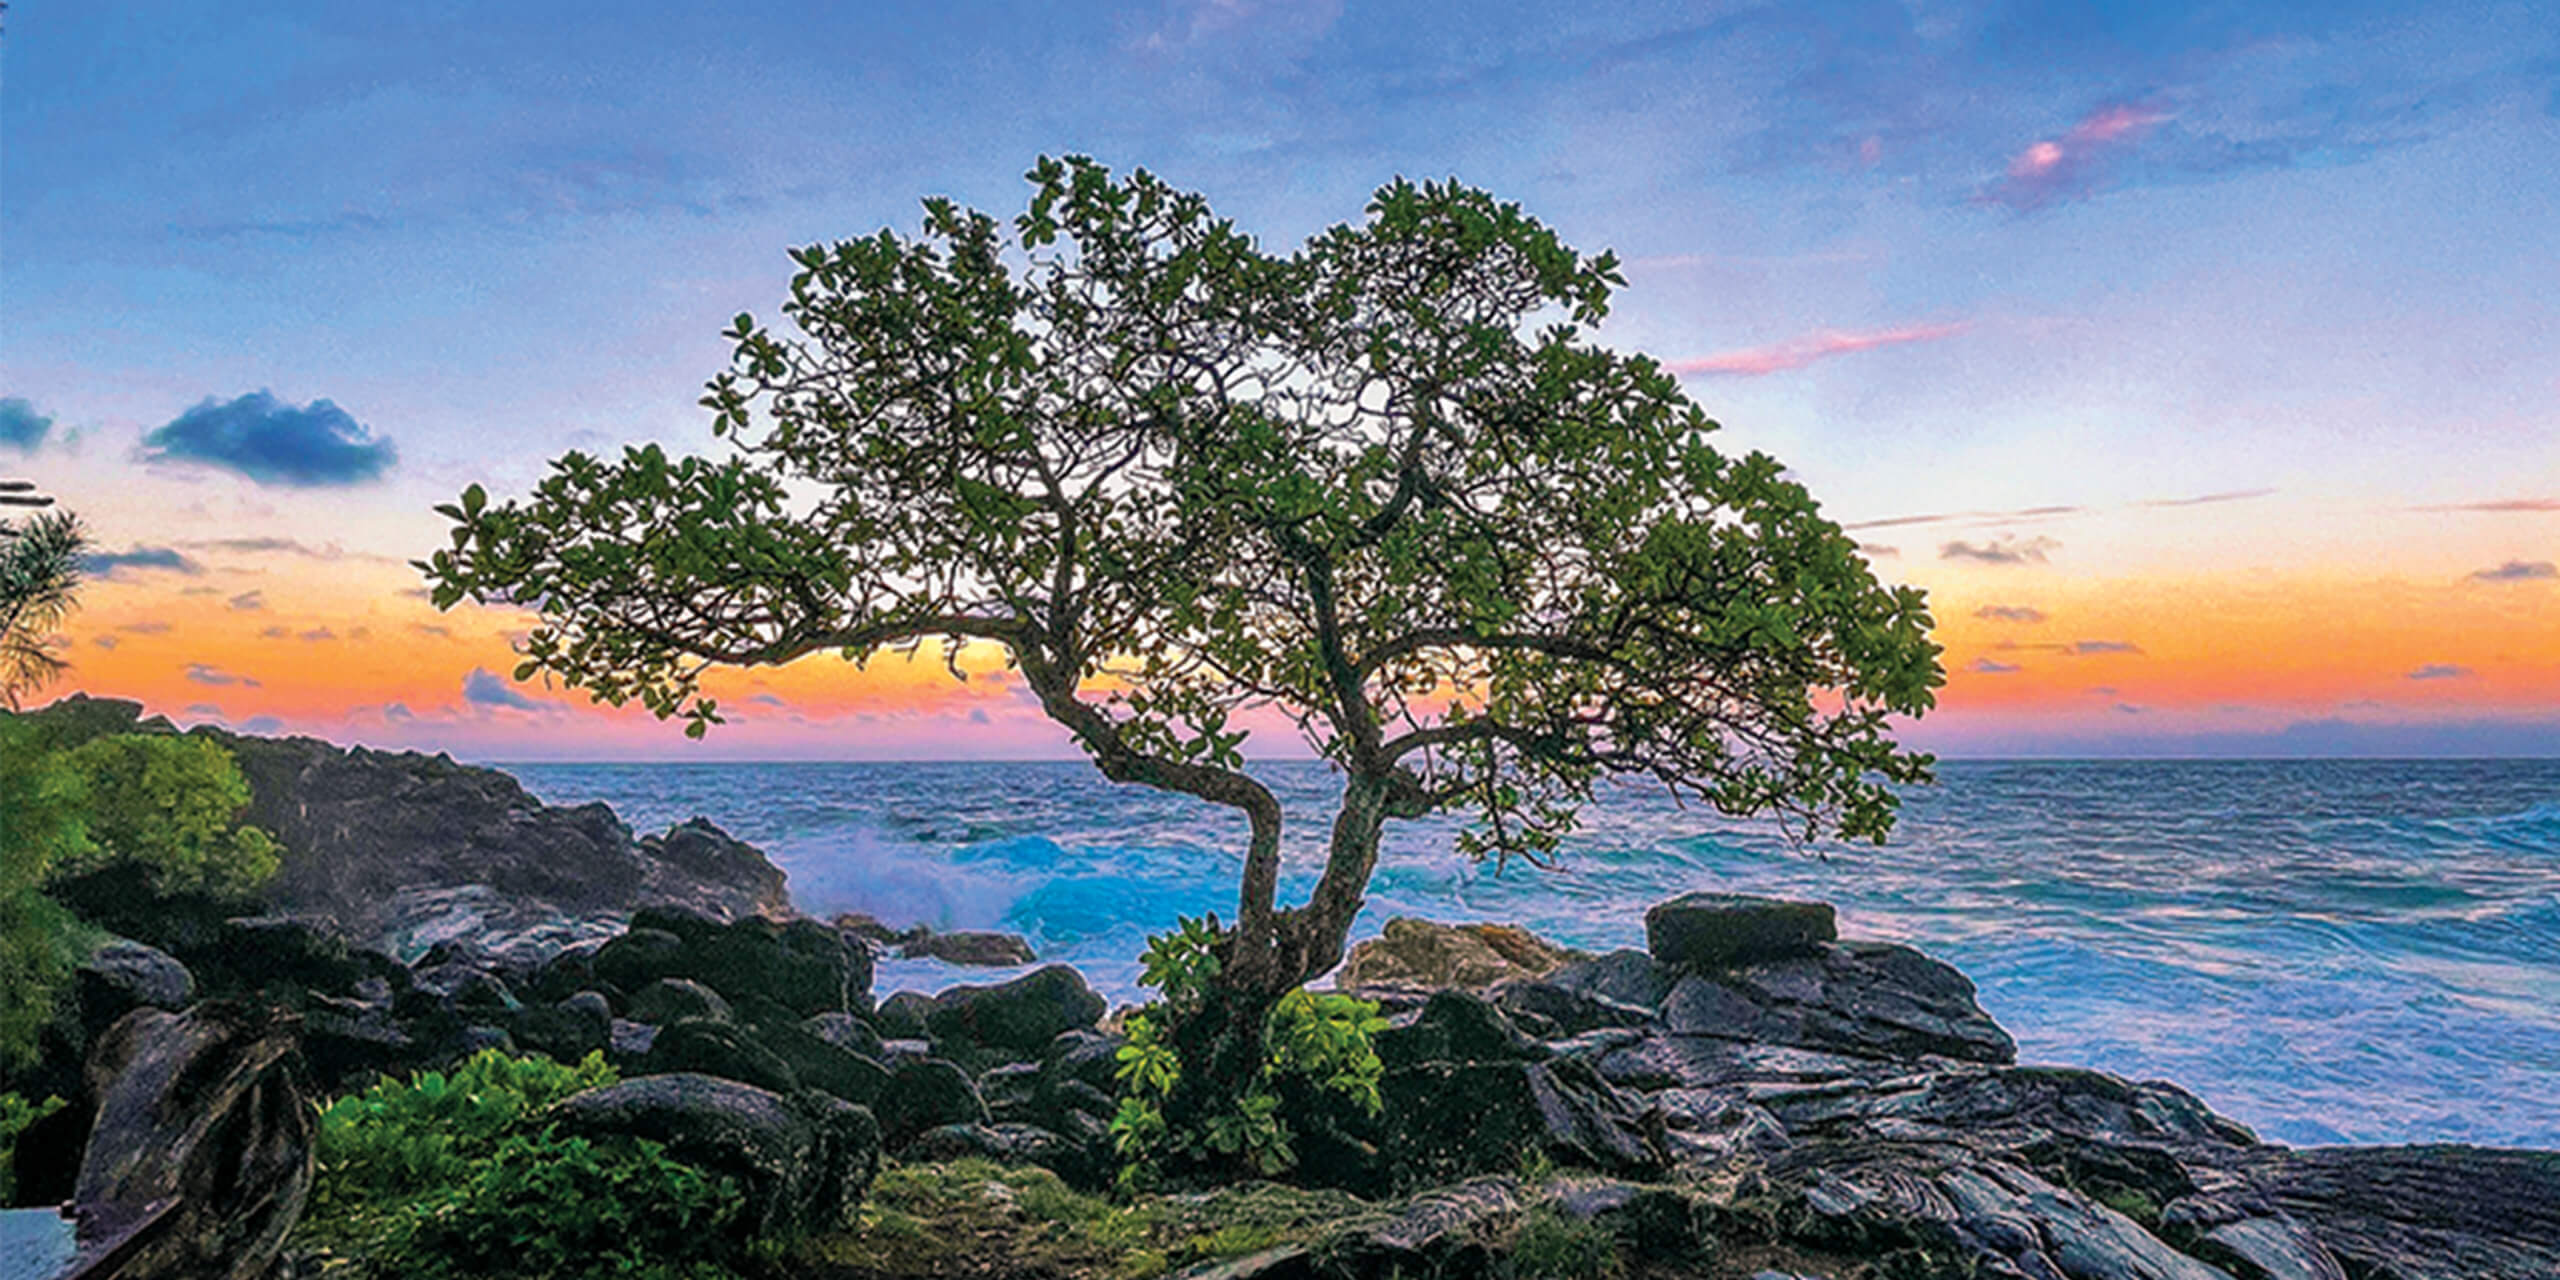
(2327, 951)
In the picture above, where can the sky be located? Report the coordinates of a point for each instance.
(2201, 361)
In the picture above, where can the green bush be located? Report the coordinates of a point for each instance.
(16, 1114)
(171, 806)
(1319, 1039)
(41, 799)
(1549, 1246)
(453, 1175)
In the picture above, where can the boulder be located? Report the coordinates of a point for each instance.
(800, 964)
(927, 1093)
(970, 947)
(1021, 1016)
(1423, 955)
(1863, 999)
(700, 1046)
(804, 1161)
(819, 1063)
(285, 954)
(568, 1030)
(123, 976)
(199, 1161)
(674, 999)
(1720, 930)
(1445, 1120)
(638, 957)
(845, 1031)
(902, 1016)
(1456, 1026)
(1624, 977)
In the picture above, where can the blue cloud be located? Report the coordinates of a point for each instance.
(21, 427)
(487, 688)
(272, 442)
(2520, 571)
(108, 564)
(260, 724)
(2440, 671)
(208, 674)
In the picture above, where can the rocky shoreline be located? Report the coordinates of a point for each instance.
(1750, 1095)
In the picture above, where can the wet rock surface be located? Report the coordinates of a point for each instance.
(1423, 955)
(804, 1159)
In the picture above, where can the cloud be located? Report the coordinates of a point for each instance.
(1985, 666)
(767, 700)
(1878, 551)
(2519, 571)
(978, 715)
(147, 628)
(485, 688)
(2004, 550)
(432, 629)
(2008, 613)
(2130, 709)
(103, 642)
(249, 602)
(2051, 170)
(21, 427)
(2440, 671)
(206, 673)
(317, 634)
(280, 546)
(272, 442)
(260, 724)
(2235, 495)
(278, 632)
(1796, 353)
(2501, 505)
(204, 709)
(109, 564)
(1978, 517)
(2104, 646)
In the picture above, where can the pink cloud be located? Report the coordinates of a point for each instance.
(2051, 169)
(1796, 353)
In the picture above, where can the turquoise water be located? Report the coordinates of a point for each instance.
(2330, 951)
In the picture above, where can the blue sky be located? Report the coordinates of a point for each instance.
(2045, 274)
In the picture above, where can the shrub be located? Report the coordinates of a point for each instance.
(1549, 1246)
(453, 1175)
(16, 1114)
(1321, 1040)
(170, 805)
(41, 799)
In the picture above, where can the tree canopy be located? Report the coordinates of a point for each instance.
(39, 577)
(1386, 484)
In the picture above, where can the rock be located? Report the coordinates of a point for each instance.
(1023, 1015)
(123, 976)
(700, 1046)
(804, 1162)
(638, 957)
(867, 927)
(1629, 978)
(845, 1031)
(627, 1045)
(927, 1093)
(1012, 1091)
(1279, 1262)
(1089, 1057)
(1456, 1026)
(1720, 930)
(819, 1063)
(199, 1161)
(1867, 999)
(800, 964)
(674, 999)
(1005, 1143)
(1564, 1011)
(695, 866)
(1440, 1232)
(1421, 954)
(970, 947)
(464, 986)
(1445, 1120)
(566, 1031)
(285, 954)
(902, 1016)
(2417, 1213)
(345, 1040)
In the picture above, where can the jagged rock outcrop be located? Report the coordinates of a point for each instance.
(1421, 954)
(804, 1160)
(404, 851)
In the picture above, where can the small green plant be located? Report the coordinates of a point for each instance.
(453, 1175)
(406, 1136)
(1322, 1039)
(1549, 1246)
(16, 1113)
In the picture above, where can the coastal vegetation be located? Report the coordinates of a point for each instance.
(1384, 487)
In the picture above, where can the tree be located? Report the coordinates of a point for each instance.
(167, 808)
(1384, 484)
(39, 572)
(41, 799)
